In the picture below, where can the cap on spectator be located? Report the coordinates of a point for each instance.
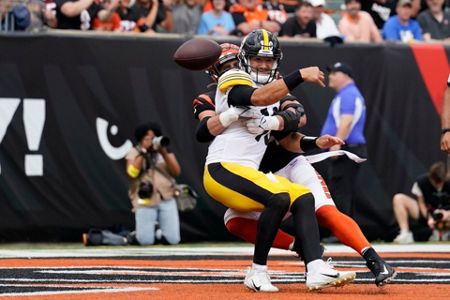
(316, 3)
(341, 67)
(404, 3)
(21, 16)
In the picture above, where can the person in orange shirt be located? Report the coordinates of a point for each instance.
(357, 25)
(248, 15)
(111, 22)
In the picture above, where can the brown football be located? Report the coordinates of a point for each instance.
(197, 54)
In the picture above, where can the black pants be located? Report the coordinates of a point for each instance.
(342, 175)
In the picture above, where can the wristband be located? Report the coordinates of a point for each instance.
(293, 80)
(308, 143)
(290, 119)
(132, 171)
(445, 130)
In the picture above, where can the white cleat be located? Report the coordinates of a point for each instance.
(326, 276)
(259, 281)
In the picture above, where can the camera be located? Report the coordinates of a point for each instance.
(145, 190)
(437, 216)
(160, 141)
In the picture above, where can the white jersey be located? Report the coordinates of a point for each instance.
(236, 144)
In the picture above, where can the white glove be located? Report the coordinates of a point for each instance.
(230, 115)
(234, 113)
(264, 123)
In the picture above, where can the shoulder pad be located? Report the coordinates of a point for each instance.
(234, 77)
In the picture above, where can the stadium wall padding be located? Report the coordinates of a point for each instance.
(68, 103)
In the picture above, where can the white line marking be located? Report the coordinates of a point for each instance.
(114, 290)
(207, 251)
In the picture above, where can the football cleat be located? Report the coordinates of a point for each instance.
(326, 276)
(383, 272)
(259, 281)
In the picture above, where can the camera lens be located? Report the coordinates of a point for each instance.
(161, 141)
(437, 216)
(145, 190)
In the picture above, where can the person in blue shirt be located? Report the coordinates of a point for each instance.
(346, 119)
(217, 21)
(401, 27)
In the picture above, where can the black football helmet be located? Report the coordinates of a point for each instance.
(262, 43)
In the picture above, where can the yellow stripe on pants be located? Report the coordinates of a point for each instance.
(264, 184)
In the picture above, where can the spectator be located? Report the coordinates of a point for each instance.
(110, 22)
(379, 10)
(275, 10)
(14, 16)
(129, 16)
(326, 27)
(248, 16)
(302, 24)
(401, 27)
(435, 22)
(357, 25)
(217, 21)
(345, 119)
(151, 167)
(78, 14)
(432, 192)
(382, 10)
(290, 5)
(186, 17)
(153, 16)
(41, 15)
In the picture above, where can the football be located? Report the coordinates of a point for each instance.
(197, 54)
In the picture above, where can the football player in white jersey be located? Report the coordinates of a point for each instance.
(231, 174)
(285, 160)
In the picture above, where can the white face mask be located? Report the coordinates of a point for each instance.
(260, 77)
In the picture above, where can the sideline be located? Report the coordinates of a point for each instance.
(199, 249)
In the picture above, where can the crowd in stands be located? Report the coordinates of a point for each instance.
(356, 21)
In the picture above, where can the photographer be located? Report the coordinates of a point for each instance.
(432, 191)
(151, 167)
(439, 214)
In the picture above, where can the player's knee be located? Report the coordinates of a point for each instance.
(304, 202)
(280, 202)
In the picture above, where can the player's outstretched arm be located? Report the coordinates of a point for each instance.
(274, 91)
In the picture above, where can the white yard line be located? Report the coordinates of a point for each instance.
(200, 250)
